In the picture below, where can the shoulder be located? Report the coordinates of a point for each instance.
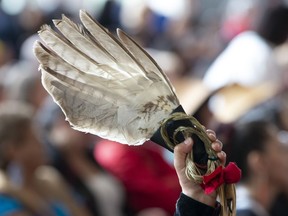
(252, 40)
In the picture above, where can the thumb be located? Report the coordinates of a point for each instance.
(180, 152)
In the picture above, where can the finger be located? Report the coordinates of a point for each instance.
(217, 145)
(209, 131)
(222, 157)
(180, 152)
(212, 136)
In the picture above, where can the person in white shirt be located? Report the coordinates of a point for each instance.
(248, 59)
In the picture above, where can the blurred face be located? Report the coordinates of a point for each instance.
(30, 152)
(38, 95)
(69, 140)
(284, 116)
(276, 157)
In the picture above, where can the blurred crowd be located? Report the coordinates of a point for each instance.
(227, 62)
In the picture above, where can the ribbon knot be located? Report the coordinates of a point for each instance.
(229, 175)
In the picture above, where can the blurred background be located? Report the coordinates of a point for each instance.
(228, 63)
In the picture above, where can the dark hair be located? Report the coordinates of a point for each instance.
(246, 138)
(15, 118)
(273, 25)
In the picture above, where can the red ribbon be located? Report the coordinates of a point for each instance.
(229, 175)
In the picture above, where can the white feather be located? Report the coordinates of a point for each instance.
(104, 86)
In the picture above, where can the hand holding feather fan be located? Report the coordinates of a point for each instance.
(112, 88)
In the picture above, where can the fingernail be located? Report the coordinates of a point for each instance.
(212, 135)
(187, 141)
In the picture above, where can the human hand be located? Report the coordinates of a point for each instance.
(190, 188)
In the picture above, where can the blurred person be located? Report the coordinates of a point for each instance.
(195, 36)
(194, 97)
(249, 59)
(233, 103)
(28, 185)
(143, 23)
(110, 15)
(281, 110)
(259, 150)
(21, 82)
(6, 53)
(274, 110)
(9, 33)
(240, 16)
(149, 180)
(280, 118)
(73, 157)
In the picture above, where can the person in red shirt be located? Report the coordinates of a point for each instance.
(149, 179)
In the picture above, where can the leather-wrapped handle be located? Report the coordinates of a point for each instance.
(200, 155)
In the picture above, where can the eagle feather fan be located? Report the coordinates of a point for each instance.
(112, 88)
(103, 86)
